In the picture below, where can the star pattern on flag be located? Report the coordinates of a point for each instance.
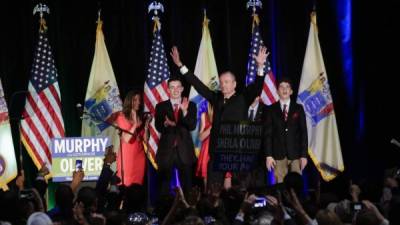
(158, 67)
(43, 69)
(256, 44)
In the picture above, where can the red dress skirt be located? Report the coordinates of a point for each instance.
(133, 156)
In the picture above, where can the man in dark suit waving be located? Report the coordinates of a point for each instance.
(228, 105)
(174, 119)
(286, 134)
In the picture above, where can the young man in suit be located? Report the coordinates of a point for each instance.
(174, 119)
(286, 134)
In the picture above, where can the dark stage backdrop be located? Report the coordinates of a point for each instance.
(367, 113)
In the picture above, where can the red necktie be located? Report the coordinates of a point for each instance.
(176, 115)
(176, 112)
(285, 112)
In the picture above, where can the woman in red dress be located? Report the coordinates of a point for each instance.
(133, 158)
(204, 136)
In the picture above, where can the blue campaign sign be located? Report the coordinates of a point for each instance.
(238, 145)
(85, 152)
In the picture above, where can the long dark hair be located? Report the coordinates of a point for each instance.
(127, 106)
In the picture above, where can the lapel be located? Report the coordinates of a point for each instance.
(291, 110)
(260, 111)
(221, 102)
(170, 110)
(279, 111)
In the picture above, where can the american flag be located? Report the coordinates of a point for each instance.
(269, 94)
(42, 113)
(155, 87)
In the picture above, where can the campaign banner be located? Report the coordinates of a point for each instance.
(69, 153)
(238, 145)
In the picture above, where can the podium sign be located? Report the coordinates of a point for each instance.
(238, 146)
(66, 151)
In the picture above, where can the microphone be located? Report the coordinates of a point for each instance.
(395, 142)
(147, 116)
(79, 107)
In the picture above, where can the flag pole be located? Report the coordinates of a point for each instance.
(41, 9)
(154, 7)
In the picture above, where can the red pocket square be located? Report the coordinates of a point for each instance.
(295, 115)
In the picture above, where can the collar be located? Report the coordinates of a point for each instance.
(175, 101)
(287, 102)
(255, 107)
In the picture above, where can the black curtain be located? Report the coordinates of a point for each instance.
(284, 26)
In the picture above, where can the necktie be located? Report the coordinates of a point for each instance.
(251, 115)
(285, 112)
(176, 115)
(176, 112)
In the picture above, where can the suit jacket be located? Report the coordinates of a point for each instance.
(179, 133)
(234, 109)
(260, 115)
(286, 139)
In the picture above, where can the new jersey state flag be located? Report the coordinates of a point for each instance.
(102, 96)
(206, 71)
(315, 96)
(8, 163)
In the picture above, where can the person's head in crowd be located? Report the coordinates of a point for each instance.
(114, 218)
(163, 205)
(391, 177)
(327, 217)
(113, 201)
(132, 101)
(232, 199)
(87, 196)
(39, 218)
(394, 212)
(135, 199)
(64, 197)
(327, 198)
(264, 217)
(25, 208)
(210, 220)
(175, 88)
(227, 82)
(193, 220)
(285, 88)
(370, 189)
(342, 209)
(8, 206)
(138, 218)
(29, 202)
(366, 217)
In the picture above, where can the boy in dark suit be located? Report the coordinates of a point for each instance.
(174, 119)
(286, 134)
